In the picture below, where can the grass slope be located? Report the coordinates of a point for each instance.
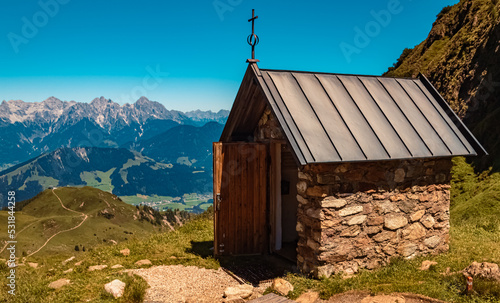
(44, 216)
(461, 58)
(188, 245)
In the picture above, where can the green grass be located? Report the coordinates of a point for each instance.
(189, 244)
(44, 217)
(45, 182)
(138, 199)
(104, 184)
(189, 201)
(135, 162)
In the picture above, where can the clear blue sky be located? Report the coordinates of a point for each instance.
(191, 54)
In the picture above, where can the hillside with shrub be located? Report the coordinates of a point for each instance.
(461, 58)
(68, 219)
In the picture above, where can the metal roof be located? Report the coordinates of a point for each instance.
(347, 118)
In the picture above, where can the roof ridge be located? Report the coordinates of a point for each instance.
(336, 74)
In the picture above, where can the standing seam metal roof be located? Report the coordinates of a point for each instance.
(337, 118)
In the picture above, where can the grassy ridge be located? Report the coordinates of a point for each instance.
(44, 216)
(189, 245)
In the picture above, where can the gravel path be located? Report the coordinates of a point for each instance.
(178, 283)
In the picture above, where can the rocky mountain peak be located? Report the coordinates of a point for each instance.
(52, 100)
(101, 101)
(143, 100)
(53, 103)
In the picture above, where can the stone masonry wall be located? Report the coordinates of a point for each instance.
(268, 128)
(360, 215)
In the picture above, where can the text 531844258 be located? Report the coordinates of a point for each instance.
(11, 230)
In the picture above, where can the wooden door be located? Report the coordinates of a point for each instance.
(240, 198)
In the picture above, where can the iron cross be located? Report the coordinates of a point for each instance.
(253, 39)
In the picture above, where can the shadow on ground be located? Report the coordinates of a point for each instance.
(257, 269)
(203, 249)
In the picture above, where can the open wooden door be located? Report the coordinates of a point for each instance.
(240, 198)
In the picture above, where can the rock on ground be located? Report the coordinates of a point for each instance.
(241, 291)
(143, 262)
(97, 267)
(125, 252)
(308, 297)
(484, 270)
(34, 265)
(115, 287)
(59, 283)
(117, 266)
(427, 264)
(282, 286)
(68, 260)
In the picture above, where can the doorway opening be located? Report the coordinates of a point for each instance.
(286, 204)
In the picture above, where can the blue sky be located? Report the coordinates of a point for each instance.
(191, 54)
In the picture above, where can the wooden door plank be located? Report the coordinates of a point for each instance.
(251, 197)
(245, 202)
(264, 200)
(217, 169)
(231, 245)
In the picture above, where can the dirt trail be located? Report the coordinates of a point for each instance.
(62, 231)
(17, 234)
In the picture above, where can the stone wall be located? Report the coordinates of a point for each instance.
(268, 128)
(360, 215)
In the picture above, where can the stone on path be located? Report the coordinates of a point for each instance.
(117, 266)
(68, 271)
(241, 291)
(115, 287)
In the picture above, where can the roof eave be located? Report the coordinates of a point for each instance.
(479, 149)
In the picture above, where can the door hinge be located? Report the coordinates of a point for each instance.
(218, 199)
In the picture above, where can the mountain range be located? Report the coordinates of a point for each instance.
(29, 129)
(129, 150)
(117, 170)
